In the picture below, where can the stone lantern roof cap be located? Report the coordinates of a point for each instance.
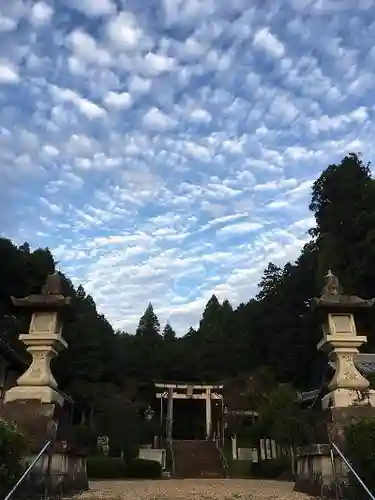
(50, 298)
(333, 296)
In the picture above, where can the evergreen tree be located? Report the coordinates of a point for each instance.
(149, 325)
(168, 333)
(343, 202)
(272, 277)
(276, 329)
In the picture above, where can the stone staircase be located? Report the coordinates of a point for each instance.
(196, 459)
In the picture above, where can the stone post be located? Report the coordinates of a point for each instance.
(208, 414)
(170, 415)
(341, 342)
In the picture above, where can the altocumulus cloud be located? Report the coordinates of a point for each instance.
(165, 150)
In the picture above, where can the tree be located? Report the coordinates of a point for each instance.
(272, 277)
(281, 418)
(343, 202)
(168, 333)
(149, 325)
(276, 329)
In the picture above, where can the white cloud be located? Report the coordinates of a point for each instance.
(139, 85)
(265, 40)
(7, 24)
(200, 115)
(120, 100)
(240, 228)
(85, 48)
(123, 31)
(167, 153)
(41, 13)
(8, 73)
(88, 108)
(85, 106)
(157, 120)
(157, 63)
(93, 8)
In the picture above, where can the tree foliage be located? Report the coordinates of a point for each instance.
(276, 329)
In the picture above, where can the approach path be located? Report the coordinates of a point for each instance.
(192, 489)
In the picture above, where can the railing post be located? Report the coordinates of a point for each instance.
(350, 467)
(334, 472)
(28, 470)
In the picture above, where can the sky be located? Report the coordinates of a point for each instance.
(165, 150)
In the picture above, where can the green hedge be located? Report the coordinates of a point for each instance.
(144, 469)
(13, 448)
(240, 468)
(102, 467)
(360, 450)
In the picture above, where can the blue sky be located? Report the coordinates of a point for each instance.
(165, 149)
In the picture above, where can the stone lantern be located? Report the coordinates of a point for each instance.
(44, 341)
(338, 313)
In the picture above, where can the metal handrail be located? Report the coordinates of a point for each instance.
(170, 446)
(223, 460)
(28, 470)
(350, 467)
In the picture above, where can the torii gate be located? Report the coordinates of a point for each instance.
(170, 391)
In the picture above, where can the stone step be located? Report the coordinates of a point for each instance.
(197, 459)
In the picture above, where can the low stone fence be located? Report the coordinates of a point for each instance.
(58, 471)
(315, 474)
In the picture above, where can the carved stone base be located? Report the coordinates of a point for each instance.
(62, 469)
(35, 419)
(42, 393)
(344, 398)
(341, 418)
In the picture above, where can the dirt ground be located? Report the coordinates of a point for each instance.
(189, 489)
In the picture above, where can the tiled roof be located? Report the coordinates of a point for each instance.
(365, 362)
(366, 367)
(306, 396)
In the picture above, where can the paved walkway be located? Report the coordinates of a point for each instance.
(192, 489)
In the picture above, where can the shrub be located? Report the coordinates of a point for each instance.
(13, 448)
(360, 450)
(144, 469)
(240, 468)
(274, 468)
(102, 467)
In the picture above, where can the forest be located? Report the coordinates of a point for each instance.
(276, 330)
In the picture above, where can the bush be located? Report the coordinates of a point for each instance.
(240, 468)
(102, 467)
(360, 450)
(144, 469)
(13, 448)
(274, 468)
